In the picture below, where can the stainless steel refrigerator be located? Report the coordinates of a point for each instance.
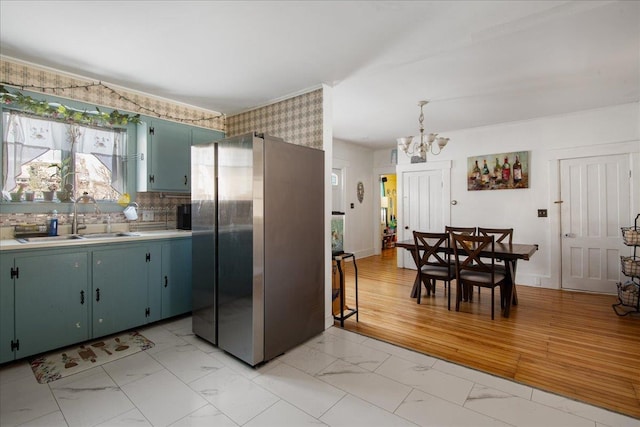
(258, 245)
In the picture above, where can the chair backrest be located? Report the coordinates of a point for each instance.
(502, 235)
(467, 249)
(469, 231)
(428, 249)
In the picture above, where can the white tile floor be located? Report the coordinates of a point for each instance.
(337, 379)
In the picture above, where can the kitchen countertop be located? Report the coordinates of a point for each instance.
(133, 237)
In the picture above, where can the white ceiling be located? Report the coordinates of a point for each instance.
(478, 62)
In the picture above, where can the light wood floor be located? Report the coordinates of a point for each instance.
(564, 342)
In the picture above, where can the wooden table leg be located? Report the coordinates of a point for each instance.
(511, 296)
(515, 292)
(416, 282)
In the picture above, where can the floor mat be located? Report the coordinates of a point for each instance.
(71, 360)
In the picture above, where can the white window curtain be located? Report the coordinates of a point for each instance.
(26, 138)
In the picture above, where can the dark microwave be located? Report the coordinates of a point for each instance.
(183, 217)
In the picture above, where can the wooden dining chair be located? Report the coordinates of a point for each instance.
(433, 261)
(467, 231)
(474, 270)
(502, 235)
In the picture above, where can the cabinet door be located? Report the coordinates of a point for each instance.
(176, 277)
(51, 301)
(203, 136)
(6, 308)
(170, 146)
(154, 274)
(119, 290)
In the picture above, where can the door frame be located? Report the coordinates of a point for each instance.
(343, 200)
(375, 183)
(442, 165)
(631, 148)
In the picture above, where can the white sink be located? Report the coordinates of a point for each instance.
(76, 237)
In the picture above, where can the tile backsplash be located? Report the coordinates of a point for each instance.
(161, 206)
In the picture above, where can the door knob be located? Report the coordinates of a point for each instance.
(406, 227)
(569, 235)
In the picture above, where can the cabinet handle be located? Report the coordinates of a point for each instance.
(185, 180)
(166, 281)
(98, 294)
(81, 297)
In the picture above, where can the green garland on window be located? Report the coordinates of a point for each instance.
(64, 113)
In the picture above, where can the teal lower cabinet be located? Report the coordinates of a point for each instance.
(122, 278)
(55, 297)
(51, 301)
(7, 329)
(176, 277)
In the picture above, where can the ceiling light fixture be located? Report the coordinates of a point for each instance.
(418, 150)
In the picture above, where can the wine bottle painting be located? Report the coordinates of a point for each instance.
(502, 171)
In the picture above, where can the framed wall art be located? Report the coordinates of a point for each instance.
(501, 171)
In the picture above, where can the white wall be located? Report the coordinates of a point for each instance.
(602, 131)
(357, 161)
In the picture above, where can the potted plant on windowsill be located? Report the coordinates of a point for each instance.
(17, 195)
(48, 195)
(62, 177)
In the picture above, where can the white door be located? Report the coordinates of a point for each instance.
(424, 204)
(595, 194)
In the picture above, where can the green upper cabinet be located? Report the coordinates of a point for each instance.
(51, 300)
(164, 163)
(164, 150)
(203, 136)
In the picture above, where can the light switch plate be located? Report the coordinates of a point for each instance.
(147, 215)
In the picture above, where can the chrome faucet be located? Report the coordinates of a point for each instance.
(85, 198)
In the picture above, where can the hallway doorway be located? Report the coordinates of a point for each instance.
(388, 210)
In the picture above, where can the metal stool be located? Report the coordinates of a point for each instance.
(350, 312)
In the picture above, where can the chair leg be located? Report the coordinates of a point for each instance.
(492, 301)
(433, 287)
(467, 293)
(448, 291)
(458, 295)
(419, 290)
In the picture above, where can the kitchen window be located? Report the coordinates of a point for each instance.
(41, 156)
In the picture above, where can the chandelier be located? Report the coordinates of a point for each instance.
(418, 150)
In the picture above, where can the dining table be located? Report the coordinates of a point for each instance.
(509, 253)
